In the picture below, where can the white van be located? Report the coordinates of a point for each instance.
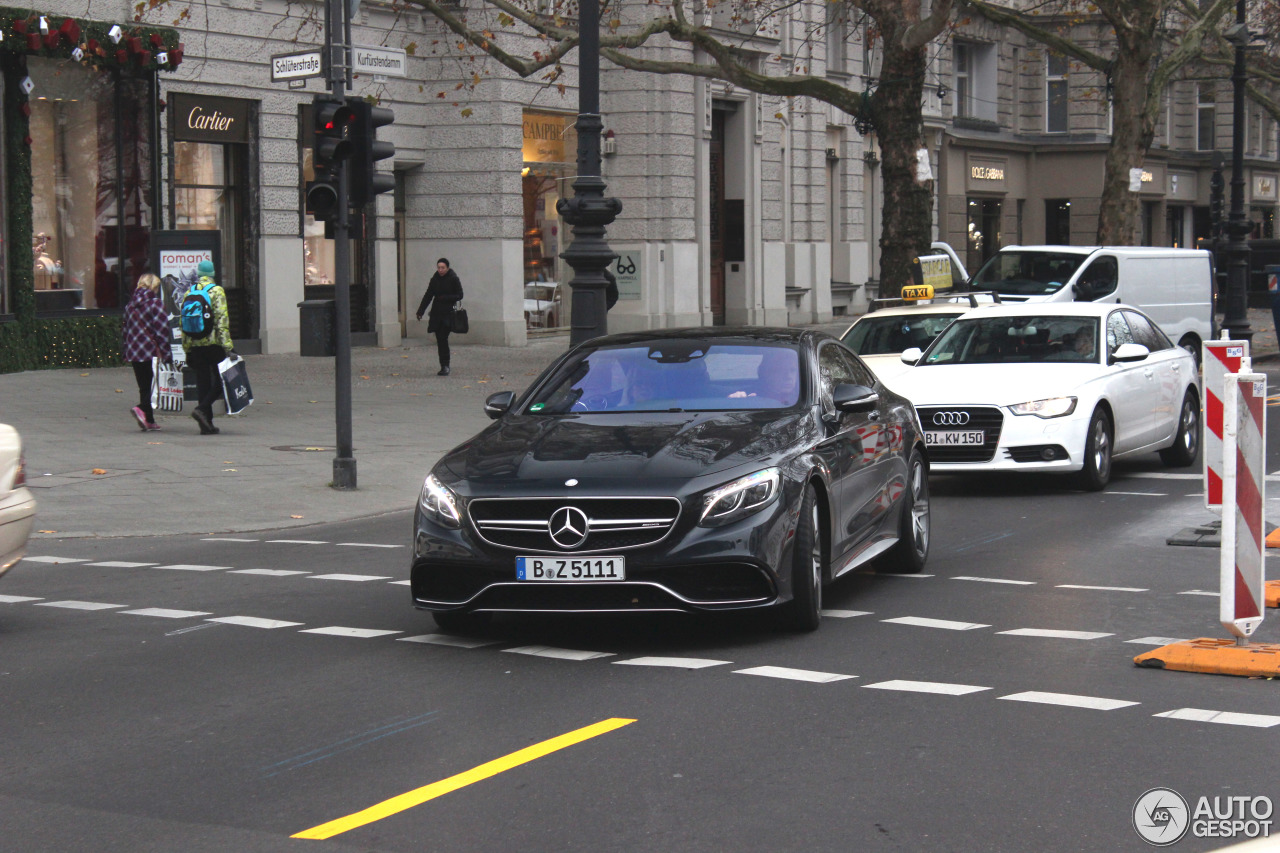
(1174, 287)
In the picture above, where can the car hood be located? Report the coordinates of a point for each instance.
(887, 368)
(531, 451)
(992, 384)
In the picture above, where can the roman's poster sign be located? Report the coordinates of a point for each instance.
(203, 118)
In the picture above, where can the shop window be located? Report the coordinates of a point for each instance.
(92, 189)
(983, 237)
(550, 143)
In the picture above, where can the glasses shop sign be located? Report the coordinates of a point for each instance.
(201, 118)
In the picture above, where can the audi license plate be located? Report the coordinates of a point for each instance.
(565, 569)
(952, 437)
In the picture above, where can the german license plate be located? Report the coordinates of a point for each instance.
(953, 437)
(554, 569)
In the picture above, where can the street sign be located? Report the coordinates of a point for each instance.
(1220, 358)
(296, 66)
(1241, 573)
(386, 61)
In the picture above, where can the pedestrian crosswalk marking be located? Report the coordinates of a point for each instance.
(355, 578)
(927, 687)
(1199, 715)
(54, 560)
(340, 631)
(1094, 703)
(183, 567)
(561, 654)
(119, 564)
(947, 624)
(1061, 635)
(254, 622)
(794, 674)
(80, 605)
(163, 613)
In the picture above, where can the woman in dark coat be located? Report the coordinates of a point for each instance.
(446, 291)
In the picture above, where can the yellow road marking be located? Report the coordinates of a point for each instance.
(418, 796)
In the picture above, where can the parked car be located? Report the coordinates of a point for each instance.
(542, 304)
(17, 506)
(1173, 286)
(892, 326)
(1027, 388)
(685, 470)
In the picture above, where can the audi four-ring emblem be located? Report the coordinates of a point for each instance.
(568, 527)
(950, 418)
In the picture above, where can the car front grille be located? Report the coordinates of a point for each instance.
(612, 524)
(989, 419)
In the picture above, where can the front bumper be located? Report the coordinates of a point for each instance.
(1025, 442)
(17, 517)
(694, 569)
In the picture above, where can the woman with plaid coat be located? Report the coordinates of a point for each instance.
(146, 336)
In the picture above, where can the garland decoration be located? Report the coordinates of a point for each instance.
(91, 43)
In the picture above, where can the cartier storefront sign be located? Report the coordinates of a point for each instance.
(201, 118)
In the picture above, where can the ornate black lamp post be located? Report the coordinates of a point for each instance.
(588, 211)
(1236, 320)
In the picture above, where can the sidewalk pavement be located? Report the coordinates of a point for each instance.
(94, 473)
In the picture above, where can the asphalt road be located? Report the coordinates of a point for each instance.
(205, 694)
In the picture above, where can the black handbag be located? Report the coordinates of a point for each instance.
(461, 325)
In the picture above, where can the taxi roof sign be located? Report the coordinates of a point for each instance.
(912, 292)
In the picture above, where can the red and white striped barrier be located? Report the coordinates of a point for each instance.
(1241, 578)
(1220, 358)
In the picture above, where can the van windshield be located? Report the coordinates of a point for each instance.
(1027, 273)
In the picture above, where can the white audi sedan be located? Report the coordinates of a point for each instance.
(17, 507)
(1028, 388)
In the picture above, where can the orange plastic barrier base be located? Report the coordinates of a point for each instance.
(1273, 538)
(1271, 590)
(1218, 657)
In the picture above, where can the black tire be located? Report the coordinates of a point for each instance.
(461, 621)
(914, 527)
(1097, 453)
(1186, 442)
(808, 568)
(1192, 344)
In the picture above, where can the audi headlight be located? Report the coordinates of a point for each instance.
(740, 498)
(1055, 407)
(439, 503)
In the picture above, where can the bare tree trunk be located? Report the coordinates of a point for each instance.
(1132, 132)
(908, 203)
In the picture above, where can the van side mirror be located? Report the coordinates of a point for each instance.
(497, 405)
(1129, 352)
(911, 355)
(1083, 291)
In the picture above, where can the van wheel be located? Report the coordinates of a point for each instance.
(1097, 453)
(1191, 344)
(1186, 443)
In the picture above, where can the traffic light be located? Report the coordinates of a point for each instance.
(332, 123)
(366, 181)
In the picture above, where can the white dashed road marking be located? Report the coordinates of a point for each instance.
(994, 580)
(1199, 715)
(53, 560)
(1142, 494)
(254, 622)
(449, 640)
(927, 687)
(183, 567)
(357, 578)
(1095, 703)
(18, 599)
(561, 654)
(339, 631)
(296, 542)
(366, 545)
(921, 622)
(275, 573)
(80, 605)
(166, 614)
(1103, 588)
(794, 674)
(402, 583)
(674, 663)
(226, 539)
(117, 564)
(845, 614)
(1049, 632)
(1200, 592)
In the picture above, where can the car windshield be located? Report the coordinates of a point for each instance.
(673, 375)
(1027, 273)
(874, 335)
(1012, 339)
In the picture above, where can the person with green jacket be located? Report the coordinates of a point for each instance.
(206, 350)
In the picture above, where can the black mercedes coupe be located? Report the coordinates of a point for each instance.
(683, 470)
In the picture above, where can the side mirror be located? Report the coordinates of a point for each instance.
(854, 398)
(1083, 291)
(1130, 352)
(497, 405)
(911, 355)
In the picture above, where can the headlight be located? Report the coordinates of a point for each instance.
(1055, 407)
(740, 498)
(439, 503)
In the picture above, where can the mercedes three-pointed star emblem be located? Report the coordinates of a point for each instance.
(568, 527)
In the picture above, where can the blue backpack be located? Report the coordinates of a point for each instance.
(197, 311)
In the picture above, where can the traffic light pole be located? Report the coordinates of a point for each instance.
(344, 462)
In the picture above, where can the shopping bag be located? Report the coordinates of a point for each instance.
(166, 387)
(461, 325)
(235, 385)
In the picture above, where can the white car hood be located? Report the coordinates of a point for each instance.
(887, 367)
(993, 384)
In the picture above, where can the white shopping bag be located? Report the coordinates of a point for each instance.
(166, 387)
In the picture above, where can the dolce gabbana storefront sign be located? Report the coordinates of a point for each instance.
(202, 118)
(986, 174)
